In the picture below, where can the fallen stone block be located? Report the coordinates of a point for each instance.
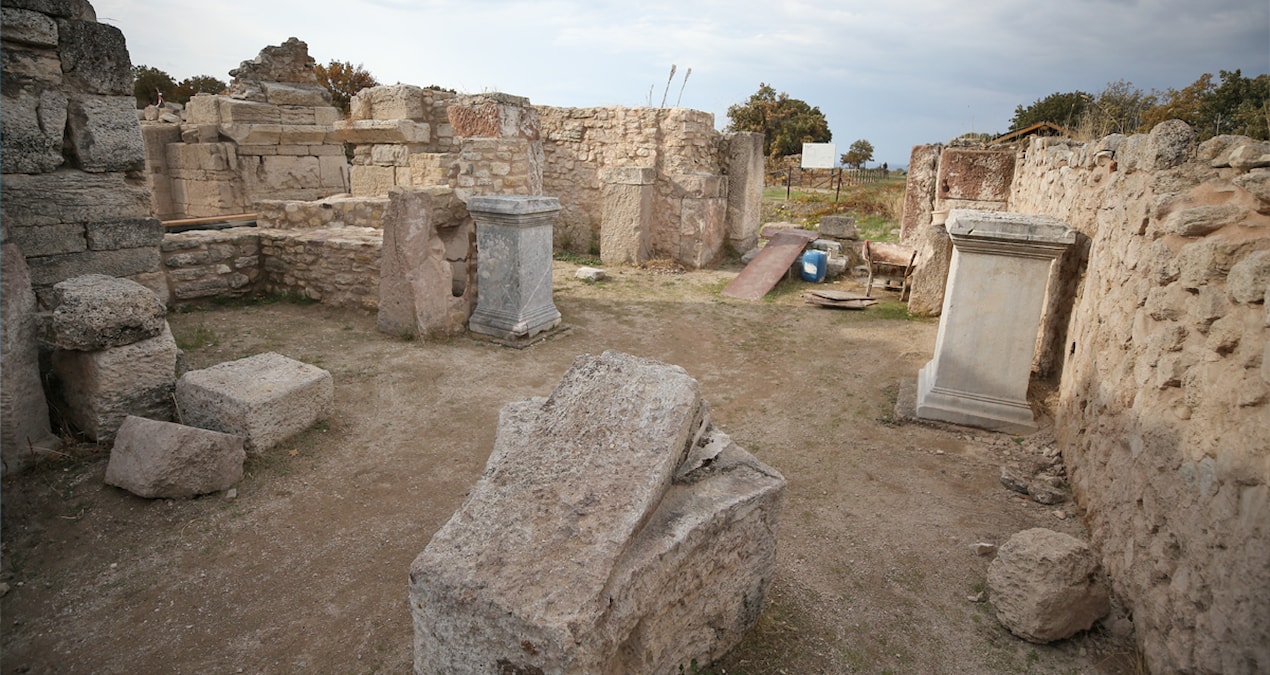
(96, 311)
(24, 414)
(590, 274)
(266, 398)
(1045, 586)
(101, 388)
(838, 227)
(613, 531)
(155, 459)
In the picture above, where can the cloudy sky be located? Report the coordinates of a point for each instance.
(897, 73)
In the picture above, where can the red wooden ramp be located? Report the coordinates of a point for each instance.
(770, 265)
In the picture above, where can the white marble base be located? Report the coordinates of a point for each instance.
(513, 243)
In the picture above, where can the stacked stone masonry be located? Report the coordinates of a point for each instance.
(72, 196)
(1160, 326)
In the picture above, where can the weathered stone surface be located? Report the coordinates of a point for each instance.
(1172, 143)
(514, 241)
(287, 62)
(628, 213)
(94, 58)
(418, 280)
(1249, 278)
(394, 102)
(266, 398)
(103, 387)
(27, 27)
(104, 133)
(31, 68)
(128, 262)
(45, 240)
(968, 175)
(363, 132)
(163, 460)
(62, 9)
(24, 415)
(71, 196)
(919, 190)
(281, 93)
(96, 311)
(614, 530)
(838, 227)
(744, 170)
(1045, 586)
(121, 234)
(33, 127)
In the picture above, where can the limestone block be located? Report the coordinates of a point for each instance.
(1172, 143)
(1249, 279)
(266, 398)
(104, 133)
(697, 185)
(103, 387)
(94, 58)
(128, 262)
(253, 133)
(1045, 586)
(62, 9)
(626, 222)
(163, 460)
(31, 67)
(494, 115)
(283, 173)
(234, 111)
(24, 415)
(703, 230)
(365, 132)
(27, 27)
(390, 102)
(333, 171)
(1250, 155)
(286, 93)
(203, 109)
(1201, 220)
(70, 197)
(614, 530)
(44, 240)
(1256, 182)
(371, 181)
(744, 171)
(301, 134)
(94, 312)
(415, 280)
(32, 131)
(975, 175)
(838, 227)
(327, 116)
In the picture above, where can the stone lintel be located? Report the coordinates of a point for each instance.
(1007, 233)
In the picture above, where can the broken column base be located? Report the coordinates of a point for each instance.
(976, 410)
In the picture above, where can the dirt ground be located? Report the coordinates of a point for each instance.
(305, 568)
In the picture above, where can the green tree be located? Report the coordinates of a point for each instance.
(786, 123)
(1119, 109)
(860, 153)
(1063, 109)
(199, 84)
(149, 82)
(1238, 105)
(344, 80)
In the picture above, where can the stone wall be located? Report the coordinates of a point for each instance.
(270, 137)
(1160, 327)
(73, 195)
(329, 212)
(589, 151)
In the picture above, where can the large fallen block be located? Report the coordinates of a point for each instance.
(265, 398)
(155, 459)
(613, 531)
(1045, 586)
(100, 388)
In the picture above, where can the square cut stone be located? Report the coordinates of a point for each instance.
(266, 398)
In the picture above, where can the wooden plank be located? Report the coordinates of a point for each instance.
(770, 265)
(208, 219)
(838, 299)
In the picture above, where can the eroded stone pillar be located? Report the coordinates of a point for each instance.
(992, 309)
(628, 214)
(513, 243)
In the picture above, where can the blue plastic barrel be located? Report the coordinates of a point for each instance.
(815, 263)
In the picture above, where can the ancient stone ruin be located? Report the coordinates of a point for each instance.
(614, 530)
(1156, 325)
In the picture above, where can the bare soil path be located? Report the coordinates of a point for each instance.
(304, 570)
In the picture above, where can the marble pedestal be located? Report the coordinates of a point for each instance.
(513, 243)
(991, 313)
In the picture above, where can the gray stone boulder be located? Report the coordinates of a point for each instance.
(838, 227)
(95, 311)
(614, 530)
(155, 459)
(1046, 586)
(100, 388)
(266, 398)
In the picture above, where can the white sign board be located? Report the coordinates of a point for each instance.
(820, 155)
